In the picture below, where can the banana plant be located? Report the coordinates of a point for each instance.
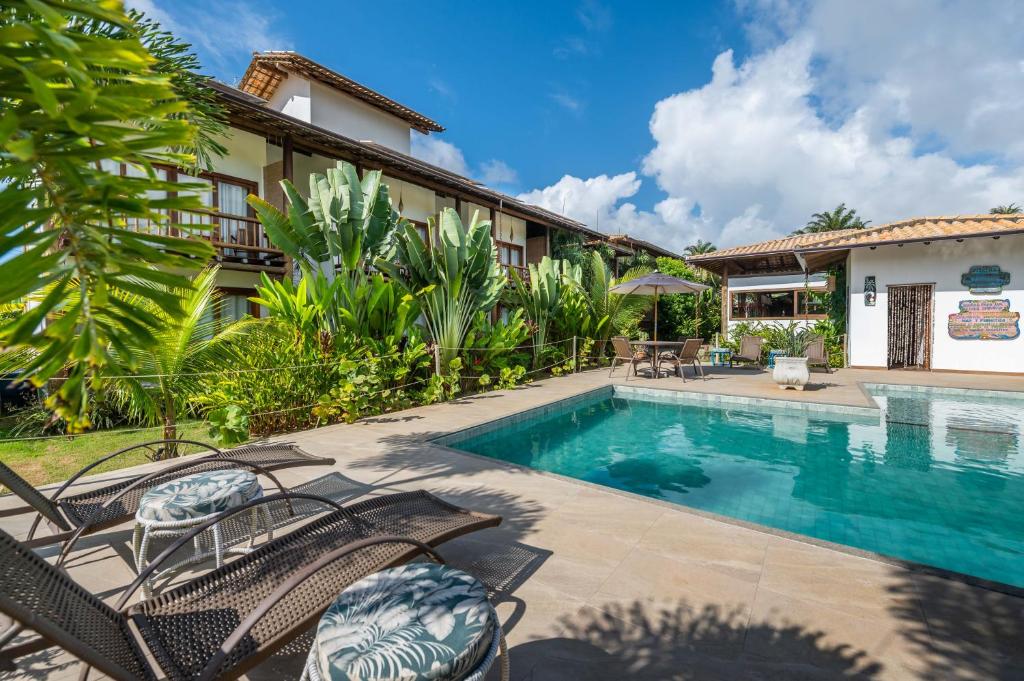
(346, 224)
(453, 280)
(543, 296)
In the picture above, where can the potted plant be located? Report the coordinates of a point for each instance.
(791, 369)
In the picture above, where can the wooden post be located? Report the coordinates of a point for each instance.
(575, 360)
(725, 302)
(288, 157)
(287, 173)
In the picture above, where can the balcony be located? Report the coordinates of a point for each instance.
(523, 272)
(240, 242)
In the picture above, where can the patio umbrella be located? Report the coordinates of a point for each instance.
(654, 284)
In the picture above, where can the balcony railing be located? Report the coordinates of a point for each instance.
(238, 240)
(523, 272)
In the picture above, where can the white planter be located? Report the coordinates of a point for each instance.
(791, 372)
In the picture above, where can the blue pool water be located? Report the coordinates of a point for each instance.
(937, 479)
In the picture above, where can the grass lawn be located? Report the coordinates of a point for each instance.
(44, 461)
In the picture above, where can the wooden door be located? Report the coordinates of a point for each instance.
(910, 327)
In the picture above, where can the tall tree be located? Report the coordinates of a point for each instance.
(700, 247)
(835, 220)
(1008, 209)
(81, 94)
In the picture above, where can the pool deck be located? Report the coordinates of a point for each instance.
(597, 584)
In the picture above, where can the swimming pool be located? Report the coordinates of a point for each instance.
(937, 478)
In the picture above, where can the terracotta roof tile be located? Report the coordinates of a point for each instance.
(914, 229)
(923, 229)
(783, 245)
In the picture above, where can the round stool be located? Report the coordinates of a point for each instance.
(170, 509)
(418, 622)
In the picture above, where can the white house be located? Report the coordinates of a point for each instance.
(941, 294)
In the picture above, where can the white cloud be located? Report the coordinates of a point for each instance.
(567, 101)
(897, 111)
(224, 33)
(601, 203)
(439, 153)
(497, 172)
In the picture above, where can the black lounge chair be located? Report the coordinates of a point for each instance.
(64, 515)
(227, 621)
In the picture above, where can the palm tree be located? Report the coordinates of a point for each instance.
(700, 248)
(611, 312)
(1008, 209)
(153, 384)
(840, 218)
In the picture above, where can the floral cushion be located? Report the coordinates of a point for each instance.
(418, 621)
(198, 495)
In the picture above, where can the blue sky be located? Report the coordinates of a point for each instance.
(731, 121)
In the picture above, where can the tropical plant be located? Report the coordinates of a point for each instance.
(542, 296)
(693, 315)
(347, 223)
(80, 93)
(831, 221)
(1007, 209)
(700, 247)
(591, 310)
(155, 383)
(491, 347)
(453, 280)
(792, 338)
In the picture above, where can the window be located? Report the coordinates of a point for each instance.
(778, 304)
(510, 254)
(235, 304)
(421, 227)
(811, 303)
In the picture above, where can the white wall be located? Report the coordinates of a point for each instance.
(324, 106)
(417, 202)
(941, 263)
(355, 118)
(510, 229)
(293, 97)
(246, 155)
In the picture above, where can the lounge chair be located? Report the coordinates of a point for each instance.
(750, 350)
(225, 622)
(625, 353)
(688, 354)
(66, 515)
(816, 353)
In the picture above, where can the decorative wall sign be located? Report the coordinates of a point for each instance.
(982, 279)
(984, 320)
(869, 290)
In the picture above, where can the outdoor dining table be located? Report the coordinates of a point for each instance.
(654, 348)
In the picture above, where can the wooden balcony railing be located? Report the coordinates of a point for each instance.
(523, 272)
(238, 240)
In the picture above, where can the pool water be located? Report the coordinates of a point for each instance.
(937, 479)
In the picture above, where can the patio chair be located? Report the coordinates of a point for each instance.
(750, 350)
(66, 514)
(688, 354)
(816, 353)
(624, 353)
(225, 622)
